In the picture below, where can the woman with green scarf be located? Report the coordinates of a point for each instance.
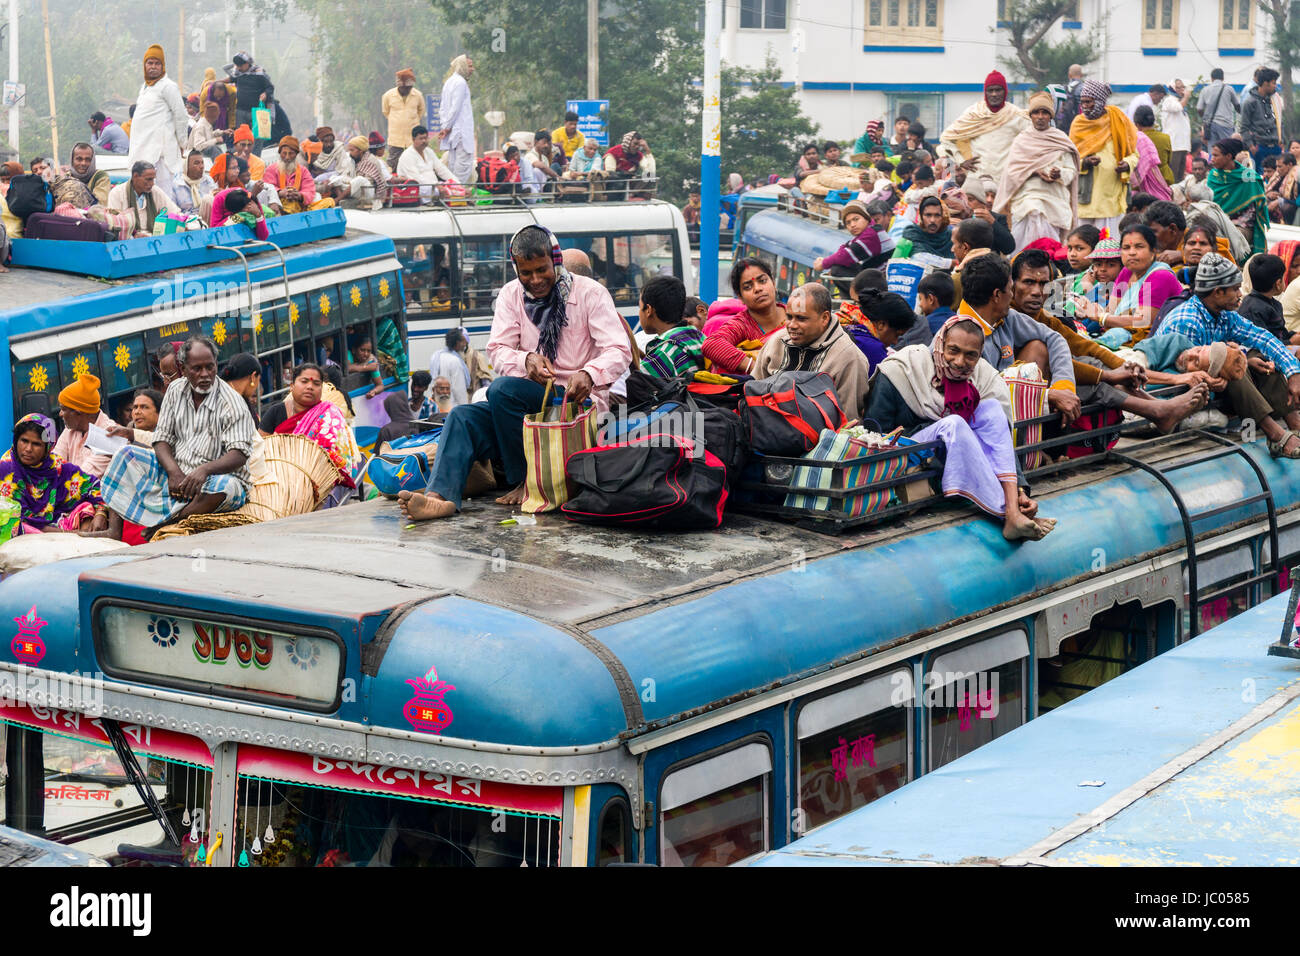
(1239, 191)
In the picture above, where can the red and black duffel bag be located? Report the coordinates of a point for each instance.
(785, 414)
(656, 481)
(406, 192)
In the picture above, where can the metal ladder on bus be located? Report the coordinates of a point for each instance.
(1161, 472)
(255, 309)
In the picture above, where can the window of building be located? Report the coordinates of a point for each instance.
(1160, 24)
(761, 14)
(923, 108)
(1237, 24)
(904, 22)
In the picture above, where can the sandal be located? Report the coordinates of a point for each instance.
(1278, 448)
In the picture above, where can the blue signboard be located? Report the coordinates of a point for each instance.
(432, 104)
(593, 119)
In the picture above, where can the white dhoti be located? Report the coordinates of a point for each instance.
(1034, 227)
(461, 163)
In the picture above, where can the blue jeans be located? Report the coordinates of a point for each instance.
(491, 430)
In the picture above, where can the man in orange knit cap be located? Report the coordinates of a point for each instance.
(244, 148)
(161, 124)
(79, 407)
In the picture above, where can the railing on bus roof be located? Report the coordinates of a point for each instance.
(516, 196)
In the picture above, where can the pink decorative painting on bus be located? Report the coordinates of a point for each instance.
(427, 711)
(27, 644)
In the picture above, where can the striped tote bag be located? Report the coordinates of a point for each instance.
(841, 446)
(550, 437)
(1028, 400)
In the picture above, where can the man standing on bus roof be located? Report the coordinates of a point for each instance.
(456, 116)
(403, 106)
(161, 124)
(550, 327)
(79, 407)
(199, 460)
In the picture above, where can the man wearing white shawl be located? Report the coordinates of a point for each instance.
(456, 115)
(161, 124)
(1038, 191)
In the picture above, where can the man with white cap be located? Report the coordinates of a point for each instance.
(1270, 394)
(1039, 186)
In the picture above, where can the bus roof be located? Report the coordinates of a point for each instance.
(547, 632)
(560, 218)
(792, 236)
(1188, 760)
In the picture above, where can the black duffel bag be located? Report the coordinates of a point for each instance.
(655, 481)
(785, 414)
(695, 418)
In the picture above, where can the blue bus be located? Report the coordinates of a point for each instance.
(1188, 760)
(105, 308)
(346, 688)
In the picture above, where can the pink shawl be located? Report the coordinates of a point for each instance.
(1147, 176)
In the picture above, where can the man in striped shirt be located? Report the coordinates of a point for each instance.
(1272, 389)
(199, 460)
(676, 349)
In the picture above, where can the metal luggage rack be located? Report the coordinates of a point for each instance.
(835, 520)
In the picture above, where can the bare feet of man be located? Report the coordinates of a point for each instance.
(514, 497)
(419, 507)
(1176, 409)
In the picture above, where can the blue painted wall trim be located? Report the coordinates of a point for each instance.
(1236, 51)
(902, 49)
(828, 86)
(1159, 51)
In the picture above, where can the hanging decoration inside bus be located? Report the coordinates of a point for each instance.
(38, 378)
(154, 741)
(80, 366)
(227, 656)
(316, 771)
(27, 644)
(122, 356)
(427, 711)
(861, 751)
(219, 332)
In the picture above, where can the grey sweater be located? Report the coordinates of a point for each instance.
(1257, 125)
(1001, 345)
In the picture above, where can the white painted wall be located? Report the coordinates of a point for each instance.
(831, 33)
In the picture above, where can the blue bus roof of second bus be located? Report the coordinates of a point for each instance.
(1103, 774)
(791, 236)
(544, 630)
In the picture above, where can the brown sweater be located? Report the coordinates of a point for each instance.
(1084, 373)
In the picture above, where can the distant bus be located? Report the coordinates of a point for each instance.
(309, 293)
(454, 258)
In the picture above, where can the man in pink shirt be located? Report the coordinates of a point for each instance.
(79, 409)
(549, 326)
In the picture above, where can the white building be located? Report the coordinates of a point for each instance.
(856, 60)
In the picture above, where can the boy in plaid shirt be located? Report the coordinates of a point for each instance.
(676, 348)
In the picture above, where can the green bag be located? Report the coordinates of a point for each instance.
(10, 514)
(261, 123)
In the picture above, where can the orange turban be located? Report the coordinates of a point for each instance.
(290, 141)
(82, 395)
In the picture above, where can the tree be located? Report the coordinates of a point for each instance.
(1284, 44)
(1037, 60)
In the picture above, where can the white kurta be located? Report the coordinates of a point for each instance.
(456, 114)
(993, 148)
(1052, 200)
(427, 169)
(160, 126)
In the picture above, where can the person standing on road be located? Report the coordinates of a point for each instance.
(457, 120)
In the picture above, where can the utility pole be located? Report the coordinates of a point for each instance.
(710, 151)
(49, 81)
(180, 50)
(593, 49)
(14, 111)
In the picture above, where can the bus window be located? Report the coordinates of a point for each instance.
(854, 747)
(427, 268)
(125, 364)
(614, 833)
(714, 812)
(484, 269)
(633, 260)
(314, 826)
(975, 694)
(1115, 641)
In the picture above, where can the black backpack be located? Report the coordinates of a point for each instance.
(28, 194)
(655, 481)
